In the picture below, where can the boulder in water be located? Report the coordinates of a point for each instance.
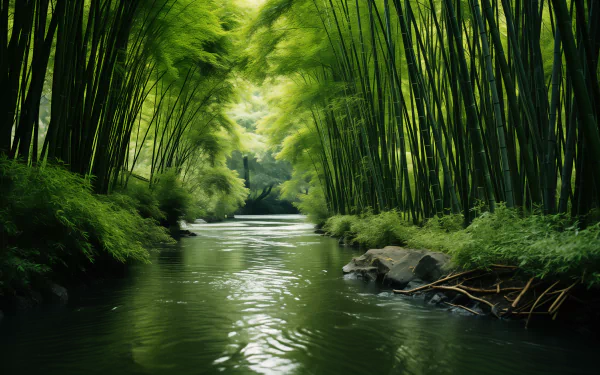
(58, 293)
(437, 299)
(186, 233)
(398, 266)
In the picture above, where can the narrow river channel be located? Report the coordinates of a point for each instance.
(265, 295)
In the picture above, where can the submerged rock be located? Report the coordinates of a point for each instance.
(347, 241)
(186, 233)
(398, 266)
(437, 299)
(58, 293)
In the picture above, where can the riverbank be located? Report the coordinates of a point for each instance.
(55, 229)
(522, 268)
(500, 291)
(548, 247)
(55, 232)
(59, 286)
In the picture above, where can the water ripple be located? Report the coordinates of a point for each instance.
(265, 295)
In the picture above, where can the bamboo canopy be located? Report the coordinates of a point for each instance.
(97, 85)
(439, 107)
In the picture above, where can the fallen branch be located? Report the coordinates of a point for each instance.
(448, 278)
(465, 293)
(463, 307)
(537, 301)
(555, 310)
(559, 300)
(562, 290)
(516, 302)
(497, 290)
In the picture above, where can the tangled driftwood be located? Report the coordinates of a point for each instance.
(503, 290)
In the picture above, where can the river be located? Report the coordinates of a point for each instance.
(265, 295)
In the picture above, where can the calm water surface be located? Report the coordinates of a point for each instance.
(263, 294)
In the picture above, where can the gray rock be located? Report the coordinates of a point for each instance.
(403, 270)
(415, 284)
(370, 275)
(437, 299)
(477, 308)
(432, 265)
(59, 293)
(461, 311)
(398, 266)
(186, 233)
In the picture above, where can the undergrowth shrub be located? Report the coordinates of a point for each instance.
(340, 225)
(173, 200)
(439, 234)
(386, 228)
(542, 245)
(49, 218)
(314, 206)
(142, 199)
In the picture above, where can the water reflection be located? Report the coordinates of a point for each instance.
(266, 295)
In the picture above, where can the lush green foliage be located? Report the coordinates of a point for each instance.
(256, 161)
(314, 205)
(433, 112)
(386, 228)
(340, 225)
(50, 218)
(173, 199)
(116, 88)
(545, 246)
(428, 107)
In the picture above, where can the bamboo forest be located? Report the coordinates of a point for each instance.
(299, 186)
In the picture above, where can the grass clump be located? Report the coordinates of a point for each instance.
(314, 206)
(50, 220)
(173, 200)
(340, 225)
(386, 228)
(439, 234)
(542, 245)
